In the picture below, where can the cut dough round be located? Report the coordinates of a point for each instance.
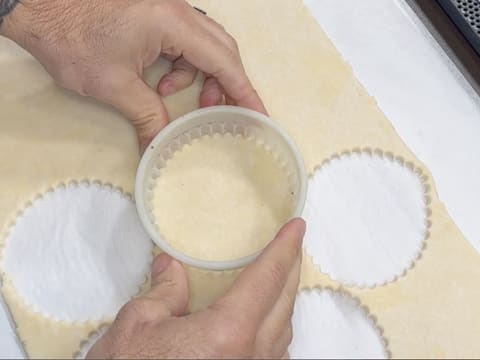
(221, 198)
(78, 253)
(367, 218)
(332, 325)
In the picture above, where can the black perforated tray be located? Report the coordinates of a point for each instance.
(466, 16)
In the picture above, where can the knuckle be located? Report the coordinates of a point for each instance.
(220, 26)
(214, 23)
(168, 283)
(176, 9)
(135, 311)
(232, 54)
(232, 43)
(148, 122)
(230, 341)
(227, 336)
(276, 272)
(246, 91)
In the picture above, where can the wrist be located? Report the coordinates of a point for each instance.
(12, 14)
(36, 25)
(6, 8)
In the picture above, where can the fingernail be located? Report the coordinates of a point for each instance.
(160, 264)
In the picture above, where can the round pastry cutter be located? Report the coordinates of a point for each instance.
(209, 121)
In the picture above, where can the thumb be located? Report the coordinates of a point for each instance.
(167, 297)
(169, 286)
(141, 105)
(258, 288)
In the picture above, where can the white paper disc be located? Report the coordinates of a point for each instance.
(78, 253)
(330, 325)
(366, 219)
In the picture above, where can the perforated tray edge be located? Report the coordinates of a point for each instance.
(466, 16)
(449, 37)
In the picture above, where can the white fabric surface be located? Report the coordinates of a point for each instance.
(78, 253)
(330, 325)
(430, 104)
(366, 217)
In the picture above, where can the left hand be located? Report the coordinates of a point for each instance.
(100, 48)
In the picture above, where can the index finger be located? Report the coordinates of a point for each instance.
(238, 87)
(215, 52)
(260, 285)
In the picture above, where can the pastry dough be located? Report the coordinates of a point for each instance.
(217, 184)
(48, 135)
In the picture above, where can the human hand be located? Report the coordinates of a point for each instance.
(252, 320)
(101, 48)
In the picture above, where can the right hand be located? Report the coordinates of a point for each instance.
(101, 48)
(252, 320)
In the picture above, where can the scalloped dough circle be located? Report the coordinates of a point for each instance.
(367, 218)
(332, 325)
(78, 253)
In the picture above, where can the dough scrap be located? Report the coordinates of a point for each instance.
(221, 198)
(48, 136)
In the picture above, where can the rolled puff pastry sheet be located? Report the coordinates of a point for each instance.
(49, 136)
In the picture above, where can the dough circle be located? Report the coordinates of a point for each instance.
(221, 198)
